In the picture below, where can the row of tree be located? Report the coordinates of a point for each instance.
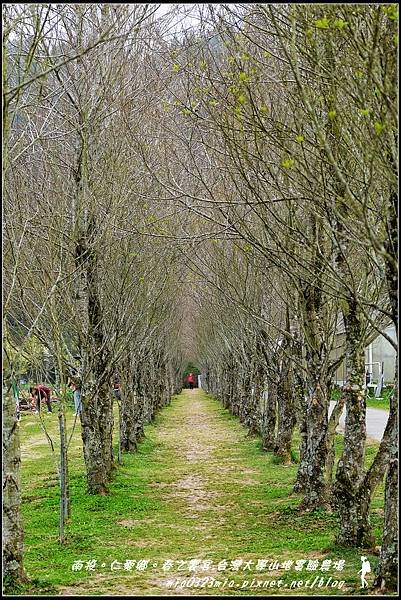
(81, 280)
(283, 123)
(238, 180)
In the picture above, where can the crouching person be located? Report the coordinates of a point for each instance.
(41, 391)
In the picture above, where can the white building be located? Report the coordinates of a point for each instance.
(381, 353)
(380, 356)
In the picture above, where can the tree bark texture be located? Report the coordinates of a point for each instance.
(128, 413)
(331, 437)
(299, 485)
(96, 397)
(128, 421)
(13, 572)
(300, 406)
(97, 430)
(350, 468)
(391, 257)
(64, 494)
(269, 417)
(316, 331)
(317, 389)
(286, 412)
(387, 572)
(315, 486)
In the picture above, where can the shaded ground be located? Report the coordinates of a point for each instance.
(198, 510)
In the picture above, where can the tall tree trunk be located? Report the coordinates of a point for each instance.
(317, 331)
(13, 572)
(236, 398)
(140, 406)
(387, 576)
(299, 485)
(300, 405)
(315, 485)
(128, 413)
(331, 438)
(375, 475)
(63, 474)
(96, 398)
(317, 389)
(363, 495)
(65, 508)
(229, 387)
(350, 468)
(128, 421)
(139, 403)
(269, 417)
(387, 570)
(251, 406)
(97, 430)
(391, 256)
(286, 413)
(256, 392)
(387, 573)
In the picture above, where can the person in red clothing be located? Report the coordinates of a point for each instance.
(191, 381)
(41, 391)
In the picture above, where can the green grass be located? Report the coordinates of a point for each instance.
(198, 488)
(371, 402)
(382, 403)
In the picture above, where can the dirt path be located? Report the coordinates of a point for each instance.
(208, 474)
(202, 506)
(199, 449)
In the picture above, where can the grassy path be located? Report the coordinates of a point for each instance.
(198, 489)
